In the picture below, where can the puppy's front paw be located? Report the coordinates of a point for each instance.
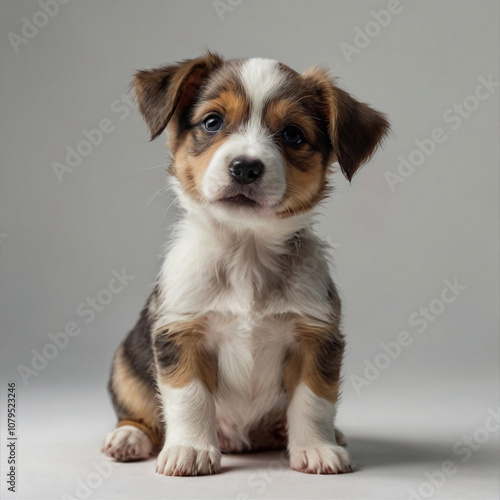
(321, 458)
(127, 443)
(188, 461)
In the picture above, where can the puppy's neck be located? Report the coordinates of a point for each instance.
(271, 232)
(225, 228)
(233, 267)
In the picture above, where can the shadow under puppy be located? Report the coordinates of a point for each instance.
(239, 347)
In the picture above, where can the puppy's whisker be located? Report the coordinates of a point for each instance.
(148, 168)
(168, 208)
(171, 205)
(189, 191)
(158, 193)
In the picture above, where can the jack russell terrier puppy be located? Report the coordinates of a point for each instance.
(239, 345)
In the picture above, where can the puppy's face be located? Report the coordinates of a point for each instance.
(253, 136)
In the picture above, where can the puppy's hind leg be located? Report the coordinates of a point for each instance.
(340, 438)
(138, 433)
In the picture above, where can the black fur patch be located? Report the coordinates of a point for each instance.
(138, 348)
(329, 356)
(138, 353)
(167, 351)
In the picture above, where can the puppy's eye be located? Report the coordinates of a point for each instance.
(293, 135)
(213, 123)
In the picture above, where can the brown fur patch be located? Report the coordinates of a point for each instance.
(166, 90)
(231, 104)
(315, 359)
(306, 163)
(335, 126)
(194, 149)
(189, 167)
(355, 128)
(182, 355)
(135, 399)
(304, 188)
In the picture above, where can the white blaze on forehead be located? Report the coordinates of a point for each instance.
(261, 79)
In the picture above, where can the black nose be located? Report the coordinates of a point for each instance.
(246, 170)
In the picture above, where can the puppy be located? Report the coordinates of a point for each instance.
(239, 345)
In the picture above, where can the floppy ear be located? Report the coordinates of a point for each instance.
(357, 133)
(355, 128)
(163, 91)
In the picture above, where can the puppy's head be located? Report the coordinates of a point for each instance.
(253, 136)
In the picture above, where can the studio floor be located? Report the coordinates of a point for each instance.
(399, 455)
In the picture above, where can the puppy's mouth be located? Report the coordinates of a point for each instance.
(240, 200)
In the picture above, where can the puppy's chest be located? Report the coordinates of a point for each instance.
(250, 355)
(236, 282)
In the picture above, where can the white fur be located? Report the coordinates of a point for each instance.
(311, 435)
(127, 443)
(191, 282)
(191, 445)
(250, 370)
(261, 78)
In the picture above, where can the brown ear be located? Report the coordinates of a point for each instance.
(355, 128)
(162, 91)
(358, 130)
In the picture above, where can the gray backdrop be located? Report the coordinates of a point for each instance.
(415, 235)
